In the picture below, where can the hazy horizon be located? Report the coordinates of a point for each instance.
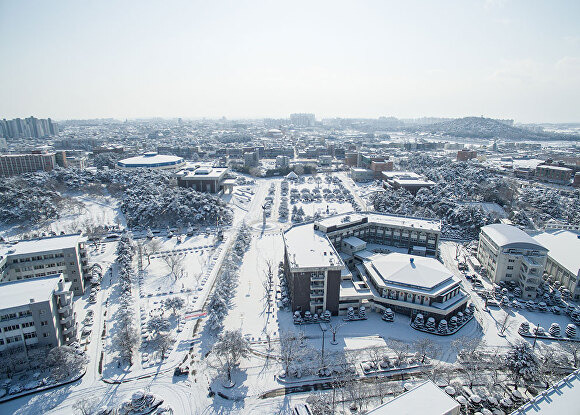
(249, 59)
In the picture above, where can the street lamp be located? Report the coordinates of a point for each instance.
(323, 328)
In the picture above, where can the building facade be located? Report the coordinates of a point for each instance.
(506, 253)
(37, 312)
(563, 262)
(37, 258)
(203, 178)
(554, 174)
(321, 258)
(14, 164)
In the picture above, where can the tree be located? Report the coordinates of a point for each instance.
(163, 342)
(175, 264)
(334, 330)
(157, 324)
(522, 362)
(64, 362)
(466, 347)
(574, 349)
(174, 303)
(230, 348)
(426, 348)
(290, 349)
(504, 323)
(400, 348)
(375, 355)
(151, 248)
(85, 406)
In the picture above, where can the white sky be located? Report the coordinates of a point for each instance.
(77, 59)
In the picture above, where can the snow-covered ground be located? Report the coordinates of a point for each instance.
(202, 256)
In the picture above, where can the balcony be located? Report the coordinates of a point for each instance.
(66, 320)
(317, 293)
(68, 330)
(314, 285)
(317, 277)
(316, 302)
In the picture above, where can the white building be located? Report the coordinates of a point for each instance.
(424, 399)
(507, 253)
(36, 258)
(152, 161)
(36, 312)
(563, 261)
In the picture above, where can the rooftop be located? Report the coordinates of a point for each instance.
(51, 243)
(19, 293)
(426, 398)
(508, 236)
(563, 247)
(308, 248)
(150, 160)
(383, 219)
(403, 269)
(202, 172)
(562, 398)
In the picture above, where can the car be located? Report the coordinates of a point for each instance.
(15, 389)
(181, 371)
(90, 313)
(86, 332)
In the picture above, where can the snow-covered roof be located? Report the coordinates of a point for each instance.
(308, 248)
(426, 398)
(202, 173)
(19, 293)
(563, 247)
(562, 398)
(403, 269)
(382, 219)
(150, 160)
(354, 242)
(51, 243)
(507, 236)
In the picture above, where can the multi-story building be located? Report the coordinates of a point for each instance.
(506, 253)
(321, 257)
(554, 174)
(302, 120)
(37, 258)
(14, 164)
(464, 155)
(36, 312)
(563, 262)
(28, 127)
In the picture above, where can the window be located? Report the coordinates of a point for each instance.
(510, 267)
(44, 323)
(44, 334)
(508, 275)
(30, 335)
(28, 324)
(10, 328)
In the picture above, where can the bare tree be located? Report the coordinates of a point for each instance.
(268, 285)
(85, 406)
(376, 354)
(333, 328)
(290, 349)
(400, 348)
(467, 346)
(151, 248)
(426, 348)
(230, 348)
(504, 323)
(175, 264)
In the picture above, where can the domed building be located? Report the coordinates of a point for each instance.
(152, 160)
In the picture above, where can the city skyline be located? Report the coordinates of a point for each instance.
(500, 59)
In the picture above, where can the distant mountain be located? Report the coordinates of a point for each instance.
(479, 127)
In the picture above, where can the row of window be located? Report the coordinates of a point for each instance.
(16, 339)
(38, 258)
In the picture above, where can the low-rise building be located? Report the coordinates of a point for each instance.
(203, 178)
(152, 161)
(36, 312)
(406, 180)
(425, 398)
(563, 261)
(37, 258)
(506, 253)
(465, 155)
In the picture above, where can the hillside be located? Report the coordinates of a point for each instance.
(479, 127)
